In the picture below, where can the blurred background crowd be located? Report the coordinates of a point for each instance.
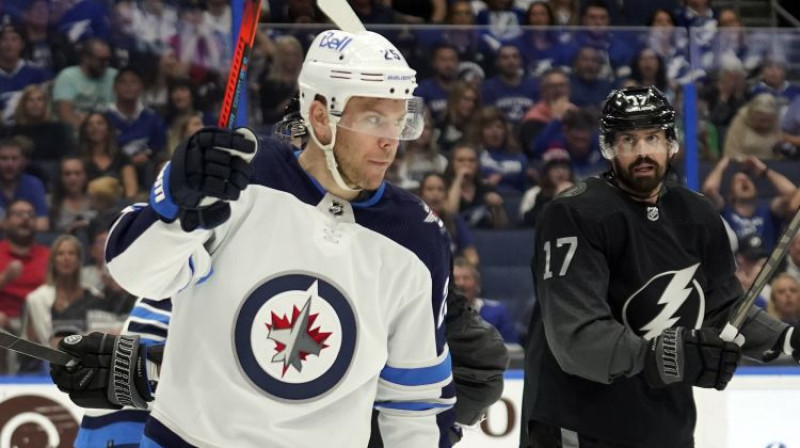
(95, 94)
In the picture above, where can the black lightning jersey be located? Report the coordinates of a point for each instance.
(610, 274)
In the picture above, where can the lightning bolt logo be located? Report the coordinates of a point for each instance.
(673, 297)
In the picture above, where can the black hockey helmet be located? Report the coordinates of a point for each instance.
(292, 125)
(636, 108)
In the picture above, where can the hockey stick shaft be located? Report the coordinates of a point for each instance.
(34, 350)
(732, 328)
(237, 77)
(342, 14)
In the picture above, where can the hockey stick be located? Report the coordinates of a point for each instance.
(237, 77)
(342, 14)
(731, 329)
(34, 350)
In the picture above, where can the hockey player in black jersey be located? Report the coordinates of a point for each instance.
(634, 280)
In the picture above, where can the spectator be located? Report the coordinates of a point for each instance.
(92, 273)
(510, 91)
(750, 258)
(556, 177)
(82, 19)
(725, 96)
(98, 147)
(217, 18)
(467, 278)
(416, 158)
(463, 36)
(280, 83)
(784, 299)
(503, 165)
(478, 203)
(185, 127)
(790, 127)
(16, 184)
(140, 130)
(730, 41)
(755, 130)
(647, 69)
(463, 104)
(86, 87)
(587, 88)
(23, 263)
(196, 46)
(578, 135)
(33, 119)
(613, 50)
(742, 211)
(180, 107)
(153, 23)
(671, 43)
(773, 81)
(566, 12)
(791, 264)
(70, 211)
(433, 190)
(48, 49)
(503, 20)
(434, 90)
(62, 299)
(554, 102)
(541, 46)
(15, 72)
(105, 194)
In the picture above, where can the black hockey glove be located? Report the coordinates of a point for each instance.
(111, 371)
(788, 342)
(206, 170)
(696, 357)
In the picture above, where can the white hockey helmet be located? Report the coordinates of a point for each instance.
(340, 65)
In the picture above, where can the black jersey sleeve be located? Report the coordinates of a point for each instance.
(571, 274)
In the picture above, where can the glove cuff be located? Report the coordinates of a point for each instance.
(128, 384)
(161, 199)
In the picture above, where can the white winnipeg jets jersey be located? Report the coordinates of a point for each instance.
(297, 317)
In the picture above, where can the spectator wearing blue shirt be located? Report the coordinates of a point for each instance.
(47, 48)
(15, 72)
(648, 69)
(576, 133)
(503, 165)
(433, 190)
(434, 90)
(467, 278)
(701, 21)
(140, 131)
(587, 88)
(83, 19)
(541, 46)
(15, 184)
(742, 210)
(613, 50)
(510, 91)
(773, 81)
(503, 21)
(790, 125)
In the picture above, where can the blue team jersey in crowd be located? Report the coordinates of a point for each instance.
(12, 84)
(435, 97)
(514, 101)
(145, 131)
(303, 311)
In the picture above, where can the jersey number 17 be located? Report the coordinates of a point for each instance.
(570, 241)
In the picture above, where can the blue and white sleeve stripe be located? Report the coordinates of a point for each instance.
(438, 374)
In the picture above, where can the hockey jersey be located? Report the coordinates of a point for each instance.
(297, 316)
(612, 273)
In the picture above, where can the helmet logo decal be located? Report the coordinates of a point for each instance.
(334, 42)
(391, 54)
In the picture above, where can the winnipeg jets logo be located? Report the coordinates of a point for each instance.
(294, 337)
(668, 299)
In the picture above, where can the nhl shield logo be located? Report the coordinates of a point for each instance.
(295, 336)
(652, 213)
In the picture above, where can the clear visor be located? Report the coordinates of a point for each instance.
(385, 118)
(633, 145)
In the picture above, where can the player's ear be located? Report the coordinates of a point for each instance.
(320, 121)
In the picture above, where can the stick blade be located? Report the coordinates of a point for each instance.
(342, 14)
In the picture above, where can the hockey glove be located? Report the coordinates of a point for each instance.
(111, 371)
(695, 357)
(788, 342)
(206, 170)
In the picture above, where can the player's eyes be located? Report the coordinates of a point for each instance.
(653, 139)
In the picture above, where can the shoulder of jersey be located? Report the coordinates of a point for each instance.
(273, 157)
(591, 195)
(695, 201)
(409, 207)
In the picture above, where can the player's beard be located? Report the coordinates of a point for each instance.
(640, 186)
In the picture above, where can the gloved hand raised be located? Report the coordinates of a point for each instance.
(695, 357)
(206, 170)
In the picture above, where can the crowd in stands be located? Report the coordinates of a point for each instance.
(95, 94)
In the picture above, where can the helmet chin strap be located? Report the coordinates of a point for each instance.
(330, 157)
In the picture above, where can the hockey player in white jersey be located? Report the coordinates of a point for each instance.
(304, 293)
